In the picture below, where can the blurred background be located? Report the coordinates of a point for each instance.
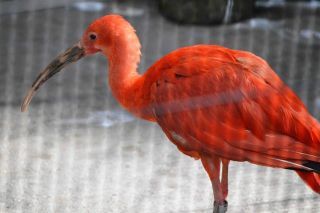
(76, 150)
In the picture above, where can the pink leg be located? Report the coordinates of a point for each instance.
(224, 179)
(220, 189)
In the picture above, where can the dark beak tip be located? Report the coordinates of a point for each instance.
(24, 108)
(24, 105)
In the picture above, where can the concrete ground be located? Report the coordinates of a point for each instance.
(77, 151)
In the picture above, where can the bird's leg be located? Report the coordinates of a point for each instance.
(224, 178)
(212, 166)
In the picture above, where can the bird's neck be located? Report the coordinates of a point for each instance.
(124, 80)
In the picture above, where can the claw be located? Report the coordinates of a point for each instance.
(220, 208)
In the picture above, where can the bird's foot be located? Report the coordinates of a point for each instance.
(220, 207)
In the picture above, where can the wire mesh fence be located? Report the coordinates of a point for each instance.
(76, 150)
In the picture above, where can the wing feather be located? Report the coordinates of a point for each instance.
(228, 106)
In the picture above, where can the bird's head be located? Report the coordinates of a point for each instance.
(102, 35)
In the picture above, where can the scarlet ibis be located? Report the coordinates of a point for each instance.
(215, 104)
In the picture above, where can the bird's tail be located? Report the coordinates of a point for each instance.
(312, 179)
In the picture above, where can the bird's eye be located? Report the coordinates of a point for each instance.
(92, 36)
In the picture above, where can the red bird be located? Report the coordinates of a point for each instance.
(215, 104)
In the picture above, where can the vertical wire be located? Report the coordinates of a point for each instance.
(57, 126)
(74, 153)
(96, 165)
(164, 147)
(9, 155)
(180, 180)
(3, 126)
(136, 170)
(128, 169)
(136, 138)
(311, 81)
(144, 46)
(168, 42)
(40, 138)
(253, 174)
(27, 159)
(309, 84)
(17, 78)
(156, 182)
(107, 187)
(119, 182)
(119, 156)
(265, 174)
(290, 72)
(187, 172)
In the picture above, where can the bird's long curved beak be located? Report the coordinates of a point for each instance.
(72, 54)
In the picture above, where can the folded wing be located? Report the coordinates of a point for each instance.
(230, 106)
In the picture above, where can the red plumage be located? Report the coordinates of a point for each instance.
(214, 103)
(231, 104)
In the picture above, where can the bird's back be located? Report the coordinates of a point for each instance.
(230, 103)
(209, 70)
